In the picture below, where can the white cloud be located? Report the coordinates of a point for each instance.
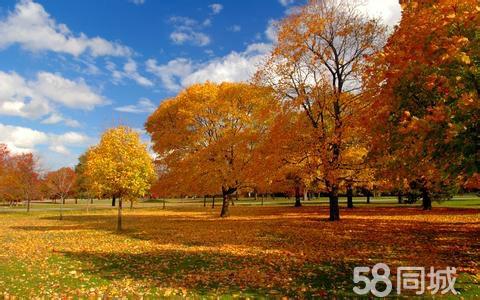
(234, 28)
(187, 30)
(143, 105)
(388, 10)
(17, 98)
(137, 2)
(21, 139)
(30, 26)
(37, 98)
(272, 30)
(26, 140)
(56, 118)
(130, 71)
(171, 73)
(216, 8)
(236, 66)
(286, 2)
(73, 94)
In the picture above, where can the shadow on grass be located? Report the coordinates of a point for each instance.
(217, 274)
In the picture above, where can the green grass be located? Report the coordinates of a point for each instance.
(460, 201)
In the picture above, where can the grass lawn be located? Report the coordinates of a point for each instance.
(269, 251)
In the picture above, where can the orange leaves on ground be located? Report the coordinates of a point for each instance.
(280, 250)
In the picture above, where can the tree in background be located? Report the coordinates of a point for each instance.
(22, 179)
(60, 183)
(82, 186)
(210, 135)
(121, 166)
(426, 84)
(316, 68)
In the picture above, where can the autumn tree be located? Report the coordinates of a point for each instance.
(427, 108)
(120, 166)
(22, 177)
(60, 183)
(208, 137)
(82, 186)
(316, 68)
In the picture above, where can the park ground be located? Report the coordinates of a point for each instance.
(187, 250)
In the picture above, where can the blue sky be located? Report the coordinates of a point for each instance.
(71, 69)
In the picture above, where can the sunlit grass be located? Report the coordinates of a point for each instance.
(186, 250)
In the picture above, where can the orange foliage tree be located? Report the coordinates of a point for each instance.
(209, 139)
(316, 68)
(19, 178)
(426, 89)
(60, 183)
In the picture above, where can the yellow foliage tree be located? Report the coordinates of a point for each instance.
(120, 166)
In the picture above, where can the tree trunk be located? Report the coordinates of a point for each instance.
(426, 200)
(28, 204)
(131, 204)
(305, 194)
(61, 209)
(334, 208)
(225, 212)
(113, 200)
(119, 219)
(204, 201)
(236, 196)
(349, 196)
(76, 201)
(256, 196)
(400, 198)
(91, 201)
(213, 202)
(298, 203)
(164, 202)
(368, 198)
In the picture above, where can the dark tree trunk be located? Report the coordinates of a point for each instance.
(349, 196)
(298, 202)
(91, 201)
(400, 198)
(164, 203)
(76, 201)
(63, 201)
(119, 219)
(334, 208)
(426, 200)
(368, 198)
(213, 202)
(226, 201)
(131, 204)
(113, 200)
(204, 201)
(28, 205)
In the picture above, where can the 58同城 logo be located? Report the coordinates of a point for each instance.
(413, 279)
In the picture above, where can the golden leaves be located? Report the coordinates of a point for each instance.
(120, 164)
(188, 251)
